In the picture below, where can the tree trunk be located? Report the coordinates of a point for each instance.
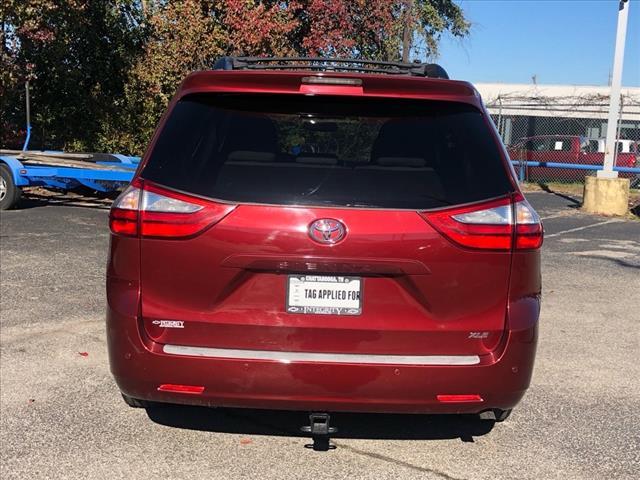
(407, 31)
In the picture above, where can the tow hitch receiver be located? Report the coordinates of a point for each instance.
(320, 431)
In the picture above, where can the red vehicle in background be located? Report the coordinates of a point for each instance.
(325, 235)
(571, 149)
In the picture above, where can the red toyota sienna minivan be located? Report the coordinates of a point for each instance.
(324, 235)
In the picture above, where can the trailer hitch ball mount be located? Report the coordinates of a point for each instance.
(320, 430)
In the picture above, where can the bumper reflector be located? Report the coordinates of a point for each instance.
(192, 389)
(459, 398)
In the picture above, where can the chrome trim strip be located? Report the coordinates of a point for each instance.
(290, 357)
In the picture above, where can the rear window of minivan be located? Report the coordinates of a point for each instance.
(324, 150)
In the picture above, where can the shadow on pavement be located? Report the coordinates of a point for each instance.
(618, 261)
(350, 425)
(573, 202)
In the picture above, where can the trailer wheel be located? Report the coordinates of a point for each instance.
(9, 191)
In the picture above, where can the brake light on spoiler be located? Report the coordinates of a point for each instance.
(500, 224)
(148, 210)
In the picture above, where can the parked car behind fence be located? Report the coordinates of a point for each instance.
(571, 150)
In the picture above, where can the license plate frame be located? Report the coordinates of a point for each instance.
(301, 299)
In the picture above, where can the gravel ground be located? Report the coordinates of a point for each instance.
(62, 417)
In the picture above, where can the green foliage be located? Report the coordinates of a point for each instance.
(180, 38)
(435, 17)
(103, 71)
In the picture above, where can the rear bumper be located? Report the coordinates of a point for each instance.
(140, 366)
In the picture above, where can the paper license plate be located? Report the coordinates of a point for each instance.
(324, 294)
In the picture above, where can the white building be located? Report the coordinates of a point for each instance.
(524, 110)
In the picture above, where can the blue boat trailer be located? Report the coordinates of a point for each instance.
(105, 173)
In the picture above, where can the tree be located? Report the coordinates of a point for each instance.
(77, 54)
(180, 37)
(185, 36)
(430, 19)
(355, 28)
(381, 30)
(11, 132)
(259, 27)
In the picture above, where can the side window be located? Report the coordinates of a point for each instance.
(624, 146)
(592, 146)
(538, 145)
(561, 145)
(584, 145)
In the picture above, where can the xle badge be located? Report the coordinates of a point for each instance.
(479, 335)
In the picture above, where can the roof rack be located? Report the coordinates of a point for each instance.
(322, 64)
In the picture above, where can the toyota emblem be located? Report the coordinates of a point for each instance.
(327, 230)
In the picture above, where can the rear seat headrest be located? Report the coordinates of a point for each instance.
(406, 138)
(251, 156)
(316, 160)
(254, 133)
(401, 162)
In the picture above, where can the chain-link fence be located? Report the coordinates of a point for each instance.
(562, 138)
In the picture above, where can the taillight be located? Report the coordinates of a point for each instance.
(147, 210)
(491, 225)
(123, 217)
(529, 231)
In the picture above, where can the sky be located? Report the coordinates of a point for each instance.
(559, 41)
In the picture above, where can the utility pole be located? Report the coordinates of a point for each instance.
(614, 98)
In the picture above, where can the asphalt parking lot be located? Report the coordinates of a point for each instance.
(62, 416)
